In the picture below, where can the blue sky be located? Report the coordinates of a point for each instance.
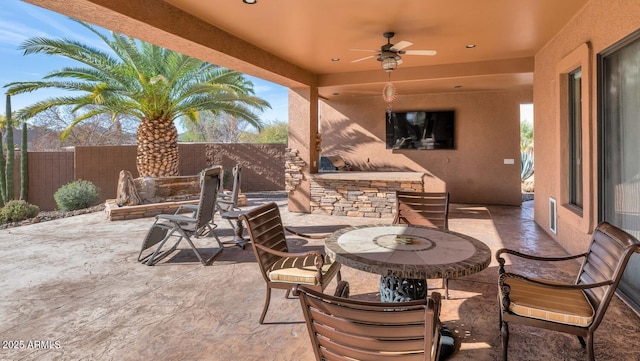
(20, 21)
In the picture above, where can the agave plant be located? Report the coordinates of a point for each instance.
(526, 164)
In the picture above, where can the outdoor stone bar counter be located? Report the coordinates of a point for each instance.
(361, 194)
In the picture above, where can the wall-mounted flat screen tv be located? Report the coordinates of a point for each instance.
(423, 129)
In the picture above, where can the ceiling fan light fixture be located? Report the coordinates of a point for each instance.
(389, 64)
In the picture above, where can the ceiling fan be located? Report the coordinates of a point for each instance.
(389, 54)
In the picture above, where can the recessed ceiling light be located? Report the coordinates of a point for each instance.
(336, 94)
(457, 86)
(250, 2)
(335, 59)
(470, 46)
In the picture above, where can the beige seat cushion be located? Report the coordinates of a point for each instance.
(569, 307)
(301, 270)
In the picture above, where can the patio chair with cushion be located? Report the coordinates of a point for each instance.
(185, 226)
(346, 329)
(280, 268)
(576, 308)
(428, 209)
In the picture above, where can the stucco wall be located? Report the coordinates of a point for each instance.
(487, 132)
(263, 167)
(600, 24)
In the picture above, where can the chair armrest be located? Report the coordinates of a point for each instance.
(553, 284)
(506, 289)
(187, 207)
(319, 261)
(224, 206)
(501, 260)
(342, 289)
(176, 218)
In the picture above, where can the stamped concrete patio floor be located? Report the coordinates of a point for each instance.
(73, 290)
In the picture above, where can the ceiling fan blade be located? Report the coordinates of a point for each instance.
(420, 52)
(367, 50)
(401, 45)
(361, 59)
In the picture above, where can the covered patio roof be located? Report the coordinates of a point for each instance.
(293, 42)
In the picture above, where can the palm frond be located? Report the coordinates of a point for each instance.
(138, 79)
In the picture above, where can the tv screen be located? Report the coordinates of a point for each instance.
(421, 130)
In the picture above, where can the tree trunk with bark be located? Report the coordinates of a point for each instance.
(157, 149)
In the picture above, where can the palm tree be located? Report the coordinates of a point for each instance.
(138, 79)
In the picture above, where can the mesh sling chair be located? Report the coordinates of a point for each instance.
(280, 268)
(185, 226)
(345, 329)
(228, 201)
(424, 209)
(576, 308)
(225, 201)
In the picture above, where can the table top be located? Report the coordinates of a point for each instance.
(408, 251)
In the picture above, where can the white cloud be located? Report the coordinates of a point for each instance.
(67, 28)
(14, 33)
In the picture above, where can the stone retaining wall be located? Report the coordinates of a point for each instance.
(358, 197)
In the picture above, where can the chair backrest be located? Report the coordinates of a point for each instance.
(606, 259)
(265, 228)
(347, 329)
(423, 209)
(229, 202)
(209, 183)
(235, 191)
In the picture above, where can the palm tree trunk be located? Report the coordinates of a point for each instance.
(157, 148)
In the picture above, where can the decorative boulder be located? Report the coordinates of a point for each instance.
(127, 194)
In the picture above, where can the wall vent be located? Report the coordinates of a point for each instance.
(553, 216)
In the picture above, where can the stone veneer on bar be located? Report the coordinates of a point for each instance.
(361, 194)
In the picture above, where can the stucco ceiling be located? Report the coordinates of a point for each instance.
(307, 35)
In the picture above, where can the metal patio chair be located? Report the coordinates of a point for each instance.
(228, 201)
(280, 268)
(184, 226)
(346, 329)
(575, 308)
(430, 209)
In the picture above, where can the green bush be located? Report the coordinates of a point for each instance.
(16, 210)
(78, 194)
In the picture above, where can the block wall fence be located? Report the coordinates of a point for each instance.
(263, 167)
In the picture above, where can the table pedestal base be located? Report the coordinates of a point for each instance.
(396, 289)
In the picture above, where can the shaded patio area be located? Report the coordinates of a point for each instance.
(74, 286)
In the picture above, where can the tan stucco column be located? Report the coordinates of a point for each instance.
(303, 128)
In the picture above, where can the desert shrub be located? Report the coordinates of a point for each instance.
(78, 194)
(18, 210)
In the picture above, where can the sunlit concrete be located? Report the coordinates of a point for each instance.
(73, 290)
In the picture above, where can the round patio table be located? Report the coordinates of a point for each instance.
(405, 256)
